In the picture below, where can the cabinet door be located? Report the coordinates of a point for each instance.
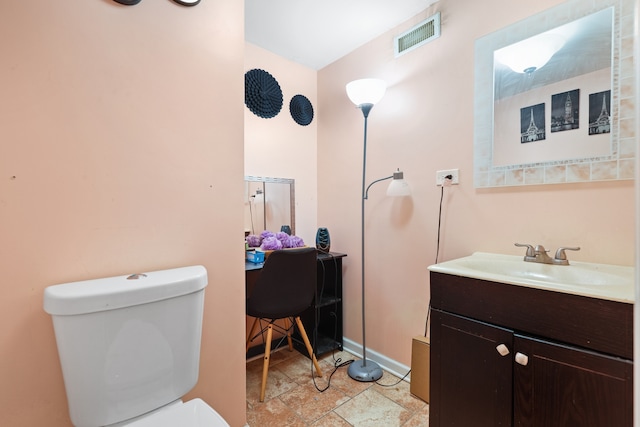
(471, 382)
(567, 386)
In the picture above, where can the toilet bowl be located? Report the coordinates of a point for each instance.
(129, 348)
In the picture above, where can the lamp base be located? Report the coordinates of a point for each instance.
(365, 373)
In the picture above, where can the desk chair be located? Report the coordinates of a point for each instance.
(285, 288)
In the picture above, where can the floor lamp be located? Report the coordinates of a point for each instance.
(365, 93)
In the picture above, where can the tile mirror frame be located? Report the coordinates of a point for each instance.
(620, 163)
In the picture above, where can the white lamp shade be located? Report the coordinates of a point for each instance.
(366, 91)
(398, 186)
(530, 54)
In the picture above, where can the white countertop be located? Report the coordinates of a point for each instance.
(604, 281)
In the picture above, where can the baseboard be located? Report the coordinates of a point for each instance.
(386, 363)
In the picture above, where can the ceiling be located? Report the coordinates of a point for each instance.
(587, 49)
(317, 33)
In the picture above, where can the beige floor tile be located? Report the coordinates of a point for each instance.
(293, 397)
(331, 420)
(399, 392)
(272, 413)
(310, 404)
(419, 418)
(299, 369)
(371, 409)
(277, 383)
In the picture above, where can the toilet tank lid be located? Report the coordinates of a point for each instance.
(89, 296)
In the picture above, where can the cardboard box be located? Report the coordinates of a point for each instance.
(420, 360)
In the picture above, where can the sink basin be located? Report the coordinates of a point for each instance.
(604, 281)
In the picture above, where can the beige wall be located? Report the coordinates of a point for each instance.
(424, 124)
(279, 147)
(121, 133)
(121, 139)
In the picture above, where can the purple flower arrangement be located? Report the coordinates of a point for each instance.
(269, 241)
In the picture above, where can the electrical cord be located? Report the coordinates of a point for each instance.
(397, 382)
(337, 363)
(448, 178)
(426, 324)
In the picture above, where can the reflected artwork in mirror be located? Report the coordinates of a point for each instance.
(269, 204)
(565, 116)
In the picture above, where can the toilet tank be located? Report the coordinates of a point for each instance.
(127, 344)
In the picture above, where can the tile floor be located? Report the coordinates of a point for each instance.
(292, 399)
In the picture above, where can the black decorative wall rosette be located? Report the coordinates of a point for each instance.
(180, 2)
(262, 93)
(301, 110)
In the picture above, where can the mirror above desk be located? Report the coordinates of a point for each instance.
(269, 204)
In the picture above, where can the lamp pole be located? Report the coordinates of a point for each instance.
(363, 370)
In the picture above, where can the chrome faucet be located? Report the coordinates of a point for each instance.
(539, 254)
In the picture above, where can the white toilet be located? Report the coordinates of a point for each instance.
(129, 348)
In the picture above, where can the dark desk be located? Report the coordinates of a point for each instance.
(249, 266)
(325, 334)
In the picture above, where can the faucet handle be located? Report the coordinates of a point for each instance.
(563, 256)
(530, 250)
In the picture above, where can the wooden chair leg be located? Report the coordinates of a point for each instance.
(287, 326)
(265, 365)
(253, 329)
(308, 345)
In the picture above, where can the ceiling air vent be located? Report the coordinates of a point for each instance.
(424, 32)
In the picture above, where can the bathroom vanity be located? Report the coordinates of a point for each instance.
(525, 351)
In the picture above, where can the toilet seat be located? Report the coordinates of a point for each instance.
(194, 413)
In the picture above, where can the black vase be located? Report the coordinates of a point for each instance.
(286, 229)
(323, 241)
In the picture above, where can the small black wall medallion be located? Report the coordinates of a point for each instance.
(180, 2)
(262, 93)
(301, 110)
(323, 241)
(187, 2)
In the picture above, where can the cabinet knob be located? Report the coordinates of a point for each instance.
(502, 349)
(522, 359)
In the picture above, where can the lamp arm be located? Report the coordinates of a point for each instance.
(366, 193)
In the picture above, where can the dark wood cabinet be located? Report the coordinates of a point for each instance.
(323, 320)
(566, 386)
(472, 383)
(505, 355)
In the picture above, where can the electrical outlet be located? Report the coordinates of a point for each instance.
(440, 176)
